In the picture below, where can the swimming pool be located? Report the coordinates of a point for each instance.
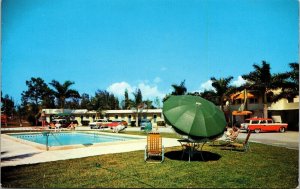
(70, 138)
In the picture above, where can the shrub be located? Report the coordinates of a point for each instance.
(85, 122)
(161, 123)
(132, 123)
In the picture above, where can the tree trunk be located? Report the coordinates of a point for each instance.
(265, 110)
(137, 118)
(265, 105)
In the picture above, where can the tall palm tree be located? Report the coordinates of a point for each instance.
(138, 104)
(223, 89)
(289, 82)
(63, 92)
(209, 95)
(179, 89)
(262, 81)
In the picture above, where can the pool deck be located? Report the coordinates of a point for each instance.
(15, 153)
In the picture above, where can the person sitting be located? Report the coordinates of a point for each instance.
(233, 134)
(71, 126)
(228, 132)
(57, 126)
(52, 126)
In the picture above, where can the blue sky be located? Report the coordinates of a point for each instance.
(147, 44)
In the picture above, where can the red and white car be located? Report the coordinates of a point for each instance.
(115, 123)
(263, 125)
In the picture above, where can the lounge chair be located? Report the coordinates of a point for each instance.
(245, 144)
(154, 147)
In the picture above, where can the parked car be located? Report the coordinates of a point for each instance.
(120, 121)
(263, 125)
(124, 123)
(99, 123)
(146, 124)
(114, 124)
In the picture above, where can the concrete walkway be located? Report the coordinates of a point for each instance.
(288, 139)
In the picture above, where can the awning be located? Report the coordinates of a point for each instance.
(241, 95)
(235, 113)
(63, 114)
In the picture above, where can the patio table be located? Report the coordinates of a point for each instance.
(191, 147)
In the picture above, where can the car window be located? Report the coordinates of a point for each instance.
(100, 120)
(264, 121)
(254, 122)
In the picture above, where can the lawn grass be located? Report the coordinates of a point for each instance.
(264, 167)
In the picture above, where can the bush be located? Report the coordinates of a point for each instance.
(132, 123)
(31, 119)
(85, 123)
(161, 123)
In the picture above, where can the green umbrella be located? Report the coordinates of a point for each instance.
(194, 116)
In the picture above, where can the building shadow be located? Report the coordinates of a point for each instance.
(180, 156)
(22, 156)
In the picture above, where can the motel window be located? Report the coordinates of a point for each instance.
(238, 101)
(116, 116)
(253, 101)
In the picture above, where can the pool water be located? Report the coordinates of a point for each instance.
(62, 139)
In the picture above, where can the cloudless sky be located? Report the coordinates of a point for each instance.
(147, 44)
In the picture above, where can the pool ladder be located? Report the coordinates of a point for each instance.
(46, 134)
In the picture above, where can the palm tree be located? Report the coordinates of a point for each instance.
(222, 88)
(209, 95)
(262, 81)
(289, 83)
(138, 104)
(63, 92)
(179, 89)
